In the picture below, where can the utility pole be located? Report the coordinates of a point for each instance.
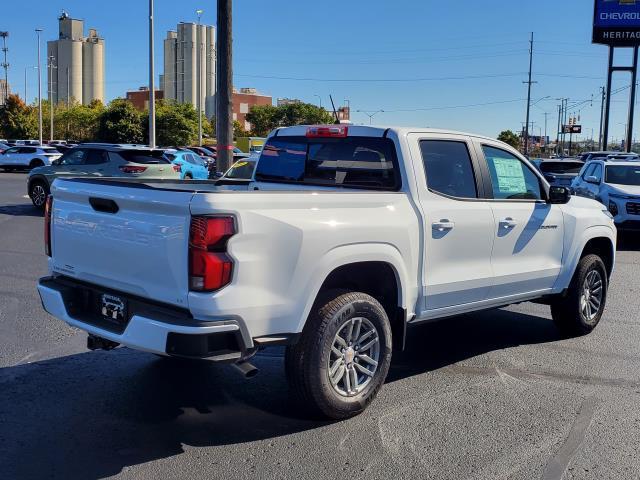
(603, 92)
(529, 83)
(5, 65)
(546, 114)
(152, 90)
(200, 41)
(38, 32)
(51, 67)
(558, 131)
(224, 94)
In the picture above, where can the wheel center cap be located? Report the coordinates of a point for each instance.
(349, 355)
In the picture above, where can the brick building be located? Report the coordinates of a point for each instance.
(140, 98)
(243, 100)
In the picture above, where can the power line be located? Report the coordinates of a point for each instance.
(449, 107)
(508, 53)
(382, 80)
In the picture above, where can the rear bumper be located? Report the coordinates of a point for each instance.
(150, 327)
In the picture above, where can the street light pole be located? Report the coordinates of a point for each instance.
(38, 31)
(152, 93)
(199, 65)
(51, 67)
(319, 98)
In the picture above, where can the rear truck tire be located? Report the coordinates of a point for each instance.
(580, 310)
(188, 176)
(38, 192)
(35, 163)
(342, 358)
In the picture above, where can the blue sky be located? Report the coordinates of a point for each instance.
(423, 61)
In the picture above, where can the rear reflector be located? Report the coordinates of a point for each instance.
(132, 169)
(47, 225)
(210, 268)
(328, 131)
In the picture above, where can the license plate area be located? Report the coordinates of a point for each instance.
(113, 308)
(103, 309)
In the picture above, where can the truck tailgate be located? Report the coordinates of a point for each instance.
(130, 239)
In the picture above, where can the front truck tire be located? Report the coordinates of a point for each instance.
(342, 358)
(580, 310)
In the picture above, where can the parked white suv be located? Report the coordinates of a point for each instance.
(28, 157)
(617, 186)
(346, 236)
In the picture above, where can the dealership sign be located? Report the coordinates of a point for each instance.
(617, 22)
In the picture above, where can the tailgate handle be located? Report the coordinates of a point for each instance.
(104, 205)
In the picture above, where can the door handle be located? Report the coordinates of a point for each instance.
(443, 225)
(508, 223)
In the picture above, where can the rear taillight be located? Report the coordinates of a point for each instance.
(132, 169)
(47, 225)
(177, 168)
(328, 131)
(210, 267)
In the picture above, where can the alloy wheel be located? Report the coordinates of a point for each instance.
(354, 357)
(591, 296)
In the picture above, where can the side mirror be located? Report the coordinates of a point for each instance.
(592, 179)
(559, 195)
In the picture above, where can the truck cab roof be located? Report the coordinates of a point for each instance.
(372, 131)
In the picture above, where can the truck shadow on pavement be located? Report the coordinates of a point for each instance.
(90, 415)
(22, 210)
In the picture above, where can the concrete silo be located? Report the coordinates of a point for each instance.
(78, 75)
(92, 68)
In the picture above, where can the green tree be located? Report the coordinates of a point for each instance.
(120, 122)
(176, 124)
(78, 122)
(303, 114)
(263, 119)
(510, 138)
(238, 130)
(18, 120)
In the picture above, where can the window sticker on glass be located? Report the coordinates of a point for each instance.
(509, 174)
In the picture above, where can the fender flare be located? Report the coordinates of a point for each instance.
(355, 253)
(590, 233)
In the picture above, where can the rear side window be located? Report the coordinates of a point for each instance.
(354, 162)
(97, 157)
(74, 157)
(448, 168)
(510, 177)
(143, 157)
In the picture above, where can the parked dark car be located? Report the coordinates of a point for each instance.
(559, 172)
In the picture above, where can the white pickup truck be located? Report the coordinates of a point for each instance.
(346, 236)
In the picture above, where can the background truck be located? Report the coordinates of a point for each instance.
(346, 236)
(250, 144)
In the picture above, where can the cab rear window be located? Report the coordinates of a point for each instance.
(352, 162)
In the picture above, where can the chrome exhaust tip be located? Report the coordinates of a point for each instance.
(246, 369)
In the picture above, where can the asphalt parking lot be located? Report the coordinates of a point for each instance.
(492, 395)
